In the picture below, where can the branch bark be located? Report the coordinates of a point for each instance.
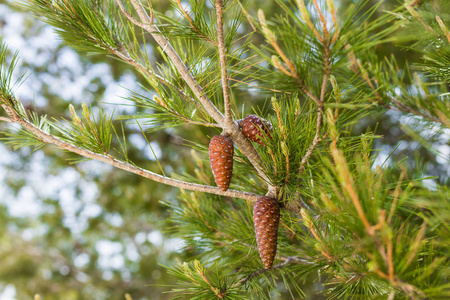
(8, 120)
(233, 128)
(288, 260)
(223, 61)
(51, 139)
(148, 25)
(320, 107)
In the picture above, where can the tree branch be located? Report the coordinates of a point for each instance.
(316, 138)
(191, 22)
(223, 61)
(127, 58)
(163, 42)
(8, 120)
(397, 105)
(232, 129)
(51, 139)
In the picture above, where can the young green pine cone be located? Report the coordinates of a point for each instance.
(266, 216)
(252, 127)
(221, 159)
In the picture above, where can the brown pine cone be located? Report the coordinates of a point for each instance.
(266, 216)
(221, 159)
(252, 127)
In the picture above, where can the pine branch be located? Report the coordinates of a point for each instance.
(321, 101)
(244, 280)
(191, 22)
(51, 139)
(231, 129)
(127, 58)
(291, 71)
(357, 65)
(147, 24)
(5, 119)
(223, 61)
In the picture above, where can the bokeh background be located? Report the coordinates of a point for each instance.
(89, 231)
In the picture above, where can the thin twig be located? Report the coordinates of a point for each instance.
(128, 16)
(5, 119)
(390, 259)
(418, 17)
(444, 28)
(322, 20)
(223, 61)
(127, 58)
(293, 71)
(332, 10)
(314, 142)
(320, 107)
(214, 289)
(191, 22)
(307, 18)
(308, 222)
(349, 187)
(271, 38)
(401, 107)
(397, 105)
(177, 61)
(288, 261)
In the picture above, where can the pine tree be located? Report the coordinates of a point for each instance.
(363, 230)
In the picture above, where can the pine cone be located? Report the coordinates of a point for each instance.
(266, 216)
(221, 159)
(252, 127)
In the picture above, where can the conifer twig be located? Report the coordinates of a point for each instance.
(213, 288)
(8, 120)
(127, 58)
(270, 36)
(223, 61)
(288, 261)
(419, 18)
(191, 22)
(307, 18)
(51, 139)
(232, 129)
(320, 107)
(397, 105)
(348, 185)
(443, 27)
(322, 20)
(332, 9)
(308, 222)
(149, 26)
